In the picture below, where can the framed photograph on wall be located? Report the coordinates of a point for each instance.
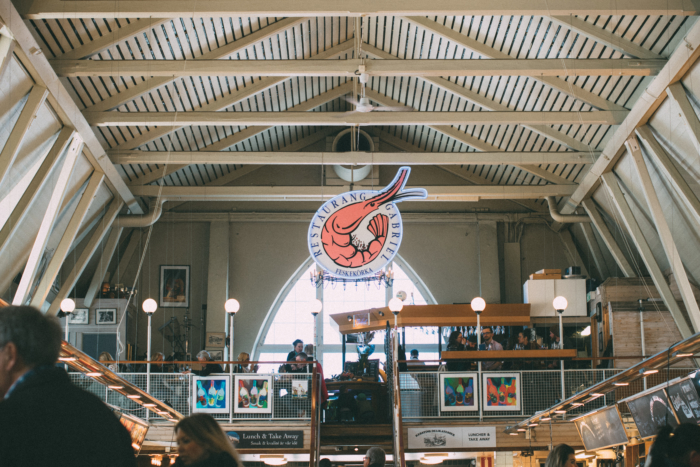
(174, 287)
(212, 394)
(252, 394)
(459, 392)
(501, 392)
(79, 316)
(216, 355)
(216, 340)
(106, 316)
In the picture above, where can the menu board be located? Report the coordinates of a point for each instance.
(601, 429)
(651, 412)
(685, 401)
(137, 429)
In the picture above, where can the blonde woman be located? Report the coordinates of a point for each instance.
(107, 357)
(202, 443)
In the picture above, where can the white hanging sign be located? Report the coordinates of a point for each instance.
(355, 234)
(452, 437)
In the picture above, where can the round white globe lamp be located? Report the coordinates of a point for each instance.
(232, 306)
(67, 305)
(560, 303)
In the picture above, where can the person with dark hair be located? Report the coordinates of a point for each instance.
(562, 455)
(201, 442)
(455, 343)
(42, 412)
(415, 360)
(375, 457)
(298, 367)
(523, 343)
(676, 448)
(487, 343)
(292, 356)
(556, 342)
(325, 462)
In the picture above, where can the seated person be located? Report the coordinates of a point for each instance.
(455, 343)
(107, 357)
(157, 367)
(291, 356)
(243, 368)
(414, 356)
(298, 367)
(523, 343)
(487, 343)
(203, 357)
(556, 343)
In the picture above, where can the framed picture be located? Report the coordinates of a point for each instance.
(216, 340)
(106, 316)
(601, 429)
(501, 392)
(79, 316)
(216, 355)
(174, 287)
(212, 394)
(300, 389)
(253, 394)
(459, 392)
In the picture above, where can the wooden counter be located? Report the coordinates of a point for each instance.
(562, 354)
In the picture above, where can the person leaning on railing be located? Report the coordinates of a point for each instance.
(203, 357)
(455, 343)
(523, 343)
(242, 367)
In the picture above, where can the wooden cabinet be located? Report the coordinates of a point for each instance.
(540, 294)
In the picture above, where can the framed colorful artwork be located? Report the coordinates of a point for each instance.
(212, 394)
(79, 316)
(459, 392)
(253, 394)
(501, 392)
(174, 287)
(106, 316)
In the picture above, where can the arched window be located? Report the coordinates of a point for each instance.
(289, 317)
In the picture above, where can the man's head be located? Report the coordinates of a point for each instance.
(28, 339)
(487, 334)
(203, 356)
(298, 345)
(524, 337)
(414, 354)
(471, 342)
(301, 357)
(375, 456)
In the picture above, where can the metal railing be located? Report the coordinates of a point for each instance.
(175, 389)
(540, 389)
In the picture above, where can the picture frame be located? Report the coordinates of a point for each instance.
(501, 392)
(243, 397)
(211, 394)
(453, 400)
(105, 316)
(300, 389)
(215, 340)
(174, 291)
(601, 429)
(79, 316)
(216, 355)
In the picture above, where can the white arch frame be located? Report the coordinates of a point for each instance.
(282, 296)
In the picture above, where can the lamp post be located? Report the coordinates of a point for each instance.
(149, 307)
(231, 307)
(478, 305)
(316, 307)
(395, 306)
(67, 307)
(560, 303)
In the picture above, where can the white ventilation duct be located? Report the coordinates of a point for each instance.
(563, 218)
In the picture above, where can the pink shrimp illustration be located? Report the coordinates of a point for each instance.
(337, 234)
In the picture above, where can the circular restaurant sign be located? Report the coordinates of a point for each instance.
(355, 234)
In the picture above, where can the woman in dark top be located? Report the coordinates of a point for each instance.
(456, 343)
(676, 448)
(292, 356)
(202, 443)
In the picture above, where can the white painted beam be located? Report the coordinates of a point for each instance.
(667, 167)
(605, 37)
(350, 68)
(618, 199)
(36, 98)
(360, 158)
(594, 248)
(294, 118)
(7, 46)
(664, 232)
(308, 193)
(100, 231)
(108, 39)
(40, 241)
(678, 64)
(62, 102)
(62, 9)
(102, 265)
(224, 51)
(235, 97)
(608, 238)
(64, 245)
(487, 51)
(22, 207)
(677, 93)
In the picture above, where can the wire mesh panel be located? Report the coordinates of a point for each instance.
(173, 389)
